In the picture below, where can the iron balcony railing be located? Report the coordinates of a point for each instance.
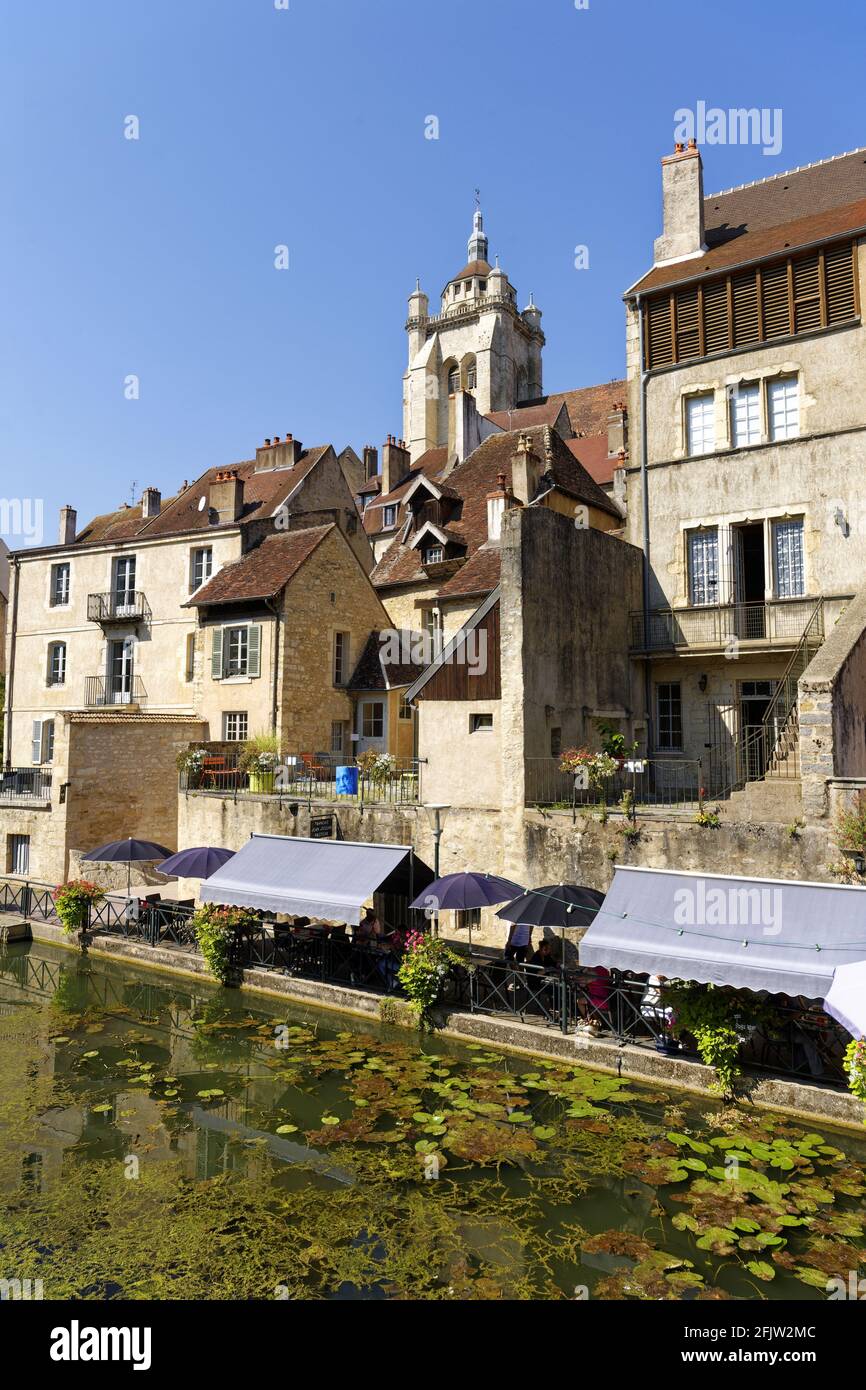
(25, 784)
(659, 783)
(104, 691)
(130, 607)
(304, 777)
(780, 622)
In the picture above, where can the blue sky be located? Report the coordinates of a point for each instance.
(262, 126)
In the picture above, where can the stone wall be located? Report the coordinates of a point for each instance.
(832, 697)
(533, 848)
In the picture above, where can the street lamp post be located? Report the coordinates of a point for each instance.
(436, 814)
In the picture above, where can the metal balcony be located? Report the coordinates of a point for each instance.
(101, 692)
(779, 623)
(107, 609)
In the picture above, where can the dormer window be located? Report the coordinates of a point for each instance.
(390, 517)
(434, 555)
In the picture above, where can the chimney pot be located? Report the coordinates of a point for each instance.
(68, 524)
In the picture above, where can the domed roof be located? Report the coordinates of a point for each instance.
(481, 268)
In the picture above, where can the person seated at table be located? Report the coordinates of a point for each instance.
(519, 944)
(545, 956)
(596, 1002)
(369, 929)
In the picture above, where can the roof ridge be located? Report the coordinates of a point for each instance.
(784, 173)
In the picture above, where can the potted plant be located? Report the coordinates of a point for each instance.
(423, 972)
(72, 902)
(218, 930)
(613, 743)
(260, 759)
(191, 762)
(855, 1068)
(590, 770)
(378, 767)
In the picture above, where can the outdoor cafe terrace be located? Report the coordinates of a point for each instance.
(793, 1036)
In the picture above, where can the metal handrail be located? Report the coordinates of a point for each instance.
(25, 783)
(775, 621)
(116, 607)
(101, 692)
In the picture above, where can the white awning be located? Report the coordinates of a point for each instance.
(778, 935)
(329, 880)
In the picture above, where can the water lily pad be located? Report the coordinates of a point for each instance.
(287, 1129)
(761, 1270)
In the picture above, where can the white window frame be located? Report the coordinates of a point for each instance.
(434, 554)
(369, 708)
(700, 424)
(703, 584)
(19, 846)
(54, 650)
(795, 579)
(42, 742)
(746, 415)
(389, 517)
(476, 727)
(783, 408)
(341, 647)
(239, 637)
(236, 725)
(61, 567)
(198, 562)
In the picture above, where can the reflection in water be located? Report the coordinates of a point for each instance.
(165, 1140)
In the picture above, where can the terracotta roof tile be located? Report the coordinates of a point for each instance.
(764, 219)
(264, 491)
(373, 672)
(525, 416)
(429, 465)
(263, 572)
(592, 455)
(479, 575)
(473, 480)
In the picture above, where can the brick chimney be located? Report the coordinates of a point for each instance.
(395, 463)
(227, 494)
(278, 453)
(151, 501)
(683, 201)
(68, 525)
(371, 462)
(617, 430)
(525, 470)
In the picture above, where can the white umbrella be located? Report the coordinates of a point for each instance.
(846, 1001)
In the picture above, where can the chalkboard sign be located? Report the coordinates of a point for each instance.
(321, 827)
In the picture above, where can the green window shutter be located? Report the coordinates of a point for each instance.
(254, 650)
(216, 666)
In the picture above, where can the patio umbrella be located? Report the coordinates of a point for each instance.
(846, 1001)
(196, 863)
(559, 906)
(127, 852)
(461, 892)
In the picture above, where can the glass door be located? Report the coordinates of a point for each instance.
(120, 672)
(124, 586)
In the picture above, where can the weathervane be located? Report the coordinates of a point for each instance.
(478, 199)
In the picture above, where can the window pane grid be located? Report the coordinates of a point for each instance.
(784, 402)
(746, 411)
(700, 424)
(704, 567)
(788, 552)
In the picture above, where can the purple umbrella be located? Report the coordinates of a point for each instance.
(460, 892)
(196, 863)
(127, 852)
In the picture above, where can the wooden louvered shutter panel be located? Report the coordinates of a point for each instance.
(688, 343)
(716, 317)
(774, 285)
(839, 269)
(216, 659)
(807, 295)
(660, 346)
(745, 293)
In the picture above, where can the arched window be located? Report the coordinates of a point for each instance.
(57, 663)
(471, 377)
(453, 380)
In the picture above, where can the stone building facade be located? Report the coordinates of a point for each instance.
(746, 352)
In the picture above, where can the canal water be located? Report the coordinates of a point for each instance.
(165, 1139)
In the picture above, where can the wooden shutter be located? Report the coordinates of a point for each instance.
(688, 344)
(745, 299)
(216, 657)
(807, 295)
(660, 350)
(774, 285)
(839, 269)
(254, 650)
(716, 317)
(36, 743)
